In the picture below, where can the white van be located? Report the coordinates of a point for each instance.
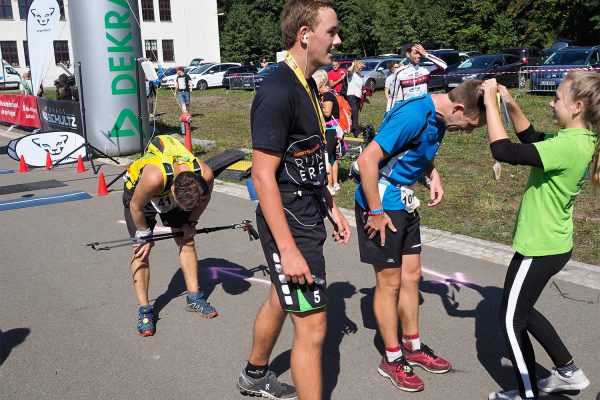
(9, 77)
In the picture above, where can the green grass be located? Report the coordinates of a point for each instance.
(474, 203)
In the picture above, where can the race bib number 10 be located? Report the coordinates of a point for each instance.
(409, 199)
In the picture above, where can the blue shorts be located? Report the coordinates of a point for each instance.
(183, 97)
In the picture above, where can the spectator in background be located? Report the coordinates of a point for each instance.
(389, 81)
(336, 77)
(25, 85)
(331, 112)
(184, 88)
(150, 96)
(63, 88)
(411, 81)
(160, 71)
(354, 95)
(263, 62)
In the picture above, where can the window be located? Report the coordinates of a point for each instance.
(151, 50)
(61, 7)
(24, 8)
(9, 53)
(148, 10)
(26, 51)
(61, 52)
(5, 9)
(168, 50)
(164, 10)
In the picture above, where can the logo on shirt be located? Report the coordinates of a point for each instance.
(306, 161)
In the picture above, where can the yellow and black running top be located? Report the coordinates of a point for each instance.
(163, 152)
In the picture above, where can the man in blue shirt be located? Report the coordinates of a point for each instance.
(388, 222)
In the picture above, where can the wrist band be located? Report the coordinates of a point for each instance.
(145, 234)
(374, 213)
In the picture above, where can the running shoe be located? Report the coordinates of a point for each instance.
(401, 374)
(268, 386)
(558, 383)
(508, 395)
(145, 322)
(426, 359)
(336, 188)
(196, 303)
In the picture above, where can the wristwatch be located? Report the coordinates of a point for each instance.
(193, 223)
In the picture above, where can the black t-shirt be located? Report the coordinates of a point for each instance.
(335, 110)
(183, 83)
(283, 120)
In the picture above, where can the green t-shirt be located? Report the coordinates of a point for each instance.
(545, 222)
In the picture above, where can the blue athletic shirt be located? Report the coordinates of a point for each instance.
(410, 135)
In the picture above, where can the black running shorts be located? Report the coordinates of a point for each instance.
(175, 218)
(406, 240)
(310, 240)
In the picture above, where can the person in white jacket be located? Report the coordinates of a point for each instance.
(411, 80)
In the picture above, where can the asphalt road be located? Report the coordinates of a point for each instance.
(68, 313)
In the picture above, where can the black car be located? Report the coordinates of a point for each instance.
(504, 67)
(436, 76)
(344, 57)
(263, 73)
(244, 69)
(530, 55)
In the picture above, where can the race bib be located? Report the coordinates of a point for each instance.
(163, 204)
(409, 199)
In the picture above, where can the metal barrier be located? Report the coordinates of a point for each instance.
(244, 81)
(542, 78)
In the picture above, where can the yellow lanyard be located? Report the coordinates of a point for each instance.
(289, 59)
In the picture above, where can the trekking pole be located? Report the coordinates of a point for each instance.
(246, 225)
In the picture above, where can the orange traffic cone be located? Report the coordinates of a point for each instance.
(102, 189)
(48, 161)
(23, 165)
(80, 166)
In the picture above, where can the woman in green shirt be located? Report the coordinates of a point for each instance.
(543, 234)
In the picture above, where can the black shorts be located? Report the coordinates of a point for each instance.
(310, 240)
(406, 239)
(175, 218)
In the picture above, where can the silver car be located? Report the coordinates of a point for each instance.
(376, 71)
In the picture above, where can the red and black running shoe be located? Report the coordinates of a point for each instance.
(401, 374)
(426, 359)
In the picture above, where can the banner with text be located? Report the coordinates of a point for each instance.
(17, 109)
(59, 115)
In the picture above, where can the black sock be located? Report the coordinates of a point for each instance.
(256, 371)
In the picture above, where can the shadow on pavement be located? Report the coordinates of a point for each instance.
(11, 339)
(338, 326)
(212, 272)
(489, 340)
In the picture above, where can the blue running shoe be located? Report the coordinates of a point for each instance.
(145, 322)
(196, 303)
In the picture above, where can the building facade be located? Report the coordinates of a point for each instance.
(173, 33)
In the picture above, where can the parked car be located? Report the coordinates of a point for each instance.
(210, 76)
(504, 67)
(196, 62)
(171, 76)
(436, 76)
(465, 55)
(376, 70)
(547, 77)
(344, 57)
(244, 69)
(9, 77)
(530, 55)
(263, 73)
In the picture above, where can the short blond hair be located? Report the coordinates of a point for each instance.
(299, 13)
(320, 78)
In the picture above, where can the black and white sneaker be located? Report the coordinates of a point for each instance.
(268, 386)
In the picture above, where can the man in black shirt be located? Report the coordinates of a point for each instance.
(289, 176)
